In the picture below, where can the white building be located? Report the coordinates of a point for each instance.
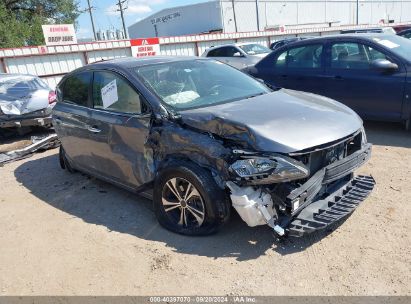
(252, 15)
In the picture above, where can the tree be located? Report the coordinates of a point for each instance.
(21, 20)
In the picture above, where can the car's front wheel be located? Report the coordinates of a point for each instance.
(188, 201)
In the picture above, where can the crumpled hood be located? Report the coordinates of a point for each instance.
(284, 121)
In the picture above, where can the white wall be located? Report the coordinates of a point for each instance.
(184, 20)
(290, 12)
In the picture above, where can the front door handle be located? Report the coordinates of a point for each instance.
(93, 129)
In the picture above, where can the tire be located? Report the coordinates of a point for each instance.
(206, 209)
(64, 163)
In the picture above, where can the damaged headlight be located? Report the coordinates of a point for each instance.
(277, 168)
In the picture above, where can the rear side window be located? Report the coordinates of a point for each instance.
(75, 89)
(112, 92)
(303, 57)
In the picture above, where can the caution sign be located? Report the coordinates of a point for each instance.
(59, 34)
(145, 47)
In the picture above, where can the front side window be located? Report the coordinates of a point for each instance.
(112, 92)
(198, 83)
(354, 56)
(75, 89)
(304, 57)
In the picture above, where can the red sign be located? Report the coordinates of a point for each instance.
(145, 47)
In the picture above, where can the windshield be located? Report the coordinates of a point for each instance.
(254, 49)
(198, 83)
(398, 45)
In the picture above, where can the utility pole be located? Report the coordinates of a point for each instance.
(92, 20)
(235, 20)
(121, 9)
(257, 13)
(358, 7)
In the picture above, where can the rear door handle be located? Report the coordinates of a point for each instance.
(93, 129)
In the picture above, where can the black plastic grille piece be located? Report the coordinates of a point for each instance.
(322, 213)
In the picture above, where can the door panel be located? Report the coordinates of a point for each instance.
(351, 80)
(71, 118)
(120, 133)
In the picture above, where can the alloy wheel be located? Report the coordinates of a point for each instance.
(182, 203)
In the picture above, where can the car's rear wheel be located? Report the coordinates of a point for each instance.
(188, 201)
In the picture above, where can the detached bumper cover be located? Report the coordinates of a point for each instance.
(345, 193)
(322, 213)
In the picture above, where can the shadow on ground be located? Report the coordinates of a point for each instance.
(100, 203)
(388, 134)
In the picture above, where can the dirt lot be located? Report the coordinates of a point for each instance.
(68, 234)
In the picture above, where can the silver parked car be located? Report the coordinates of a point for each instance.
(25, 101)
(202, 136)
(239, 55)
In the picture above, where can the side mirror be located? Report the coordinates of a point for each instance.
(384, 65)
(237, 54)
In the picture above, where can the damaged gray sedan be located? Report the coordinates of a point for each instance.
(203, 137)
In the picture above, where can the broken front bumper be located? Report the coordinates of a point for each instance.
(322, 213)
(340, 195)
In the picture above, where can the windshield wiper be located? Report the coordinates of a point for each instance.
(255, 95)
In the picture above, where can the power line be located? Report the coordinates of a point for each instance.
(121, 9)
(91, 17)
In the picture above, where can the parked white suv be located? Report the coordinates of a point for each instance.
(238, 55)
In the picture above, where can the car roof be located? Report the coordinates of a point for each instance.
(132, 62)
(360, 36)
(127, 63)
(6, 75)
(229, 44)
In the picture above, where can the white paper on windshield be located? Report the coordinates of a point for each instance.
(182, 97)
(109, 94)
(387, 43)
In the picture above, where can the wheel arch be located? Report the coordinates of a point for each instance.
(177, 159)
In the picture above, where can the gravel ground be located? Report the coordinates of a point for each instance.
(69, 234)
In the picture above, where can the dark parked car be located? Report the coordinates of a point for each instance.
(205, 136)
(25, 101)
(405, 34)
(279, 43)
(370, 73)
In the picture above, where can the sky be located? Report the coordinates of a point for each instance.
(106, 16)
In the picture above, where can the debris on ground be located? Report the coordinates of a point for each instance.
(39, 143)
